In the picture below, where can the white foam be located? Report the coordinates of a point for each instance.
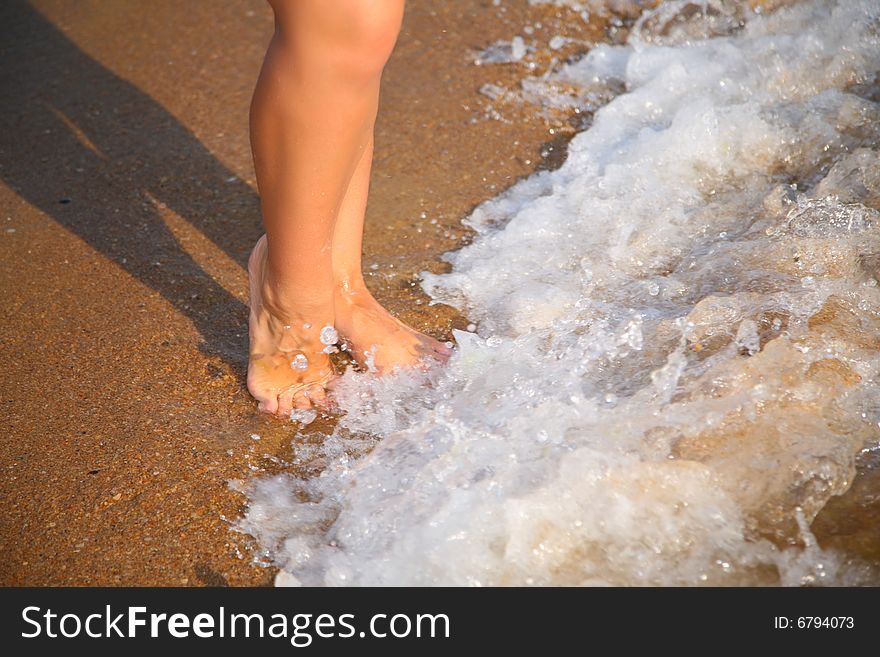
(503, 52)
(674, 368)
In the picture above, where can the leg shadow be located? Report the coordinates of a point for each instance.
(96, 154)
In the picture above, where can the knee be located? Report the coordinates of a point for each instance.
(354, 36)
(371, 30)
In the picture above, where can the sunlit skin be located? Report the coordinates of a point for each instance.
(312, 118)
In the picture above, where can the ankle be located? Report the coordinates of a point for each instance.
(351, 288)
(290, 304)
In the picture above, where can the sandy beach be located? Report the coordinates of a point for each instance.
(129, 210)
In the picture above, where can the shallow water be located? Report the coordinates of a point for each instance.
(676, 357)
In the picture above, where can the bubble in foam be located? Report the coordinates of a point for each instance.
(826, 217)
(747, 337)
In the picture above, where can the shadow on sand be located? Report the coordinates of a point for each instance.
(96, 154)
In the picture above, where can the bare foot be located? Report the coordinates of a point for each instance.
(288, 368)
(372, 332)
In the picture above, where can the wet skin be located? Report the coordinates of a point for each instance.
(312, 118)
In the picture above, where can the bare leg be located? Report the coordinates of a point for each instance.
(366, 325)
(311, 122)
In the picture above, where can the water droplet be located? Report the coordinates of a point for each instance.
(330, 349)
(471, 328)
(307, 326)
(300, 362)
(303, 415)
(557, 42)
(329, 335)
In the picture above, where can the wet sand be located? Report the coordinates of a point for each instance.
(129, 209)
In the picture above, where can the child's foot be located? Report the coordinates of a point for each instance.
(372, 332)
(288, 368)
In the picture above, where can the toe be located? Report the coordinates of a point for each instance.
(430, 346)
(443, 348)
(433, 350)
(442, 355)
(318, 396)
(266, 403)
(301, 400)
(285, 403)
